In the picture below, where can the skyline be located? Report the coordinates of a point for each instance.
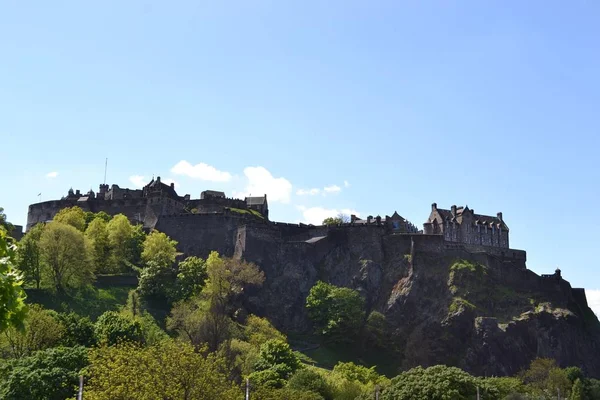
(340, 106)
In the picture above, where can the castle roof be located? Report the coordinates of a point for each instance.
(256, 201)
(478, 218)
(213, 193)
(156, 184)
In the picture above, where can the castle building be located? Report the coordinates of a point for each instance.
(462, 225)
(394, 224)
(145, 205)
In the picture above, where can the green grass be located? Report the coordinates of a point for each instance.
(249, 212)
(463, 265)
(90, 301)
(458, 303)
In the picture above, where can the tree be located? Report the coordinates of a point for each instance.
(123, 244)
(97, 234)
(12, 297)
(167, 370)
(159, 249)
(73, 216)
(205, 318)
(435, 383)
(78, 330)
(191, 277)
(64, 254)
(112, 327)
(337, 220)
(358, 373)
(544, 378)
(307, 380)
(577, 390)
(376, 330)
(42, 331)
(51, 374)
(277, 356)
(3, 222)
(30, 261)
(259, 330)
(90, 216)
(337, 312)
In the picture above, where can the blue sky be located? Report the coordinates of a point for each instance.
(390, 105)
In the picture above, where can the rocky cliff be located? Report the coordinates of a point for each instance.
(484, 313)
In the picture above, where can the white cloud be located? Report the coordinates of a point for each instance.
(593, 298)
(308, 192)
(346, 184)
(332, 189)
(316, 215)
(138, 181)
(169, 181)
(52, 174)
(201, 171)
(261, 181)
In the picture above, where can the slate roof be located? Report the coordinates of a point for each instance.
(214, 193)
(256, 201)
(482, 219)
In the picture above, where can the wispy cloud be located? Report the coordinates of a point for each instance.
(316, 215)
(201, 171)
(593, 298)
(138, 181)
(260, 181)
(52, 174)
(332, 189)
(346, 184)
(308, 192)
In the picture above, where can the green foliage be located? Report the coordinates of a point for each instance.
(337, 312)
(577, 390)
(242, 211)
(262, 393)
(307, 380)
(157, 281)
(125, 242)
(90, 216)
(358, 373)
(259, 330)
(97, 234)
(332, 221)
(167, 370)
(64, 254)
(78, 330)
(435, 383)
(459, 305)
(191, 276)
(42, 330)
(277, 356)
(51, 374)
(29, 255)
(376, 330)
(73, 216)
(12, 296)
(113, 327)
(268, 378)
(159, 249)
(543, 378)
(8, 227)
(464, 265)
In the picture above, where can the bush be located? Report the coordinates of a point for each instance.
(277, 356)
(307, 380)
(78, 331)
(112, 327)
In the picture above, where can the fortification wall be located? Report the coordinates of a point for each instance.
(199, 234)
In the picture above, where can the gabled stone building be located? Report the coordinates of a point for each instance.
(462, 225)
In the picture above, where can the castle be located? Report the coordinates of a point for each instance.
(216, 222)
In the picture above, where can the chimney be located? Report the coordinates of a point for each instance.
(172, 185)
(77, 192)
(434, 207)
(453, 208)
(369, 218)
(158, 179)
(352, 218)
(500, 216)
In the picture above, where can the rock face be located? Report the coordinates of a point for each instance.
(484, 313)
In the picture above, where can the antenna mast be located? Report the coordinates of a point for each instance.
(105, 167)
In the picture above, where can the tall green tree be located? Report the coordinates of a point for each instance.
(125, 243)
(12, 297)
(65, 256)
(159, 249)
(3, 221)
(30, 260)
(338, 313)
(73, 216)
(97, 234)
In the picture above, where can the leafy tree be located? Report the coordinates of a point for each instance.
(259, 330)
(277, 356)
(157, 281)
(577, 390)
(435, 383)
(167, 370)
(3, 221)
(376, 330)
(337, 220)
(90, 216)
(97, 234)
(12, 296)
(267, 393)
(78, 330)
(42, 331)
(29, 255)
(191, 276)
(205, 318)
(64, 254)
(124, 243)
(337, 312)
(268, 378)
(51, 374)
(358, 373)
(159, 249)
(307, 380)
(73, 216)
(544, 378)
(112, 327)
